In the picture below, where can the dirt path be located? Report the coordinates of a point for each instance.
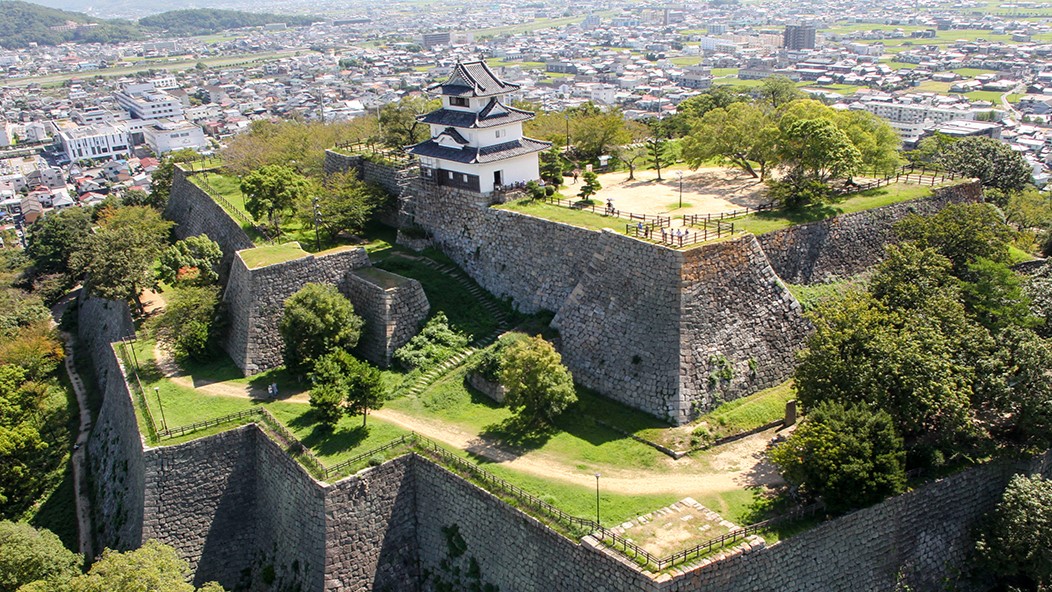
(737, 465)
(78, 460)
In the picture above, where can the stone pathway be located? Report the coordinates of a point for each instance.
(673, 528)
(79, 458)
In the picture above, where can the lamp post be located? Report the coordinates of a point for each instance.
(157, 393)
(567, 116)
(680, 175)
(597, 500)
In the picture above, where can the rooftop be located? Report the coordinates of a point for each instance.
(493, 115)
(472, 155)
(473, 79)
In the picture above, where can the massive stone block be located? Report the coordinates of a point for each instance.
(394, 309)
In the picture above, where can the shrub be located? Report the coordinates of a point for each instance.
(435, 343)
(317, 320)
(189, 325)
(847, 456)
(1016, 541)
(488, 363)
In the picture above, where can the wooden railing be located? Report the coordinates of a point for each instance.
(606, 210)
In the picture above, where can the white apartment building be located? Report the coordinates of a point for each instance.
(144, 101)
(93, 141)
(165, 136)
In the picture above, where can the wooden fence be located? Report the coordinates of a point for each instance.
(230, 208)
(606, 210)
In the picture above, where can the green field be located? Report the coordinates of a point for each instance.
(271, 254)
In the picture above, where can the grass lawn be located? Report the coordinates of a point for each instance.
(721, 72)
(573, 217)
(971, 72)
(271, 254)
(746, 413)
(986, 95)
(764, 222)
(445, 294)
(577, 440)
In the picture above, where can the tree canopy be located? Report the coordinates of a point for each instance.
(539, 386)
(193, 260)
(1015, 543)
(273, 189)
(53, 239)
(119, 257)
(993, 162)
(317, 320)
(340, 382)
(846, 455)
(28, 555)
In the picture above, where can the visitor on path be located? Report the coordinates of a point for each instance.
(576, 173)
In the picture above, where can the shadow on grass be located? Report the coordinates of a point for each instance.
(802, 215)
(325, 441)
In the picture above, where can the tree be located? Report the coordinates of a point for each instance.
(193, 260)
(1038, 288)
(539, 386)
(960, 232)
(741, 134)
(53, 239)
(1016, 540)
(817, 149)
(273, 189)
(659, 152)
(136, 197)
(877, 142)
(993, 162)
(846, 455)
(188, 327)
(1026, 209)
(1021, 412)
(717, 97)
(776, 91)
(119, 257)
(599, 133)
(153, 567)
(399, 123)
(552, 165)
(590, 185)
(344, 204)
(317, 320)
(632, 157)
(340, 378)
(994, 295)
(28, 555)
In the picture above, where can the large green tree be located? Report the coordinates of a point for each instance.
(962, 233)
(344, 205)
(119, 257)
(817, 149)
(398, 121)
(1016, 541)
(539, 387)
(599, 133)
(153, 567)
(162, 177)
(53, 239)
(29, 555)
(849, 456)
(993, 162)
(317, 320)
(740, 134)
(273, 189)
(776, 91)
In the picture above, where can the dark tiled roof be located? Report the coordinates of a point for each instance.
(454, 135)
(473, 79)
(468, 155)
(483, 119)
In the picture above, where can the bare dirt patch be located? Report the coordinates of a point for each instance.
(675, 527)
(706, 190)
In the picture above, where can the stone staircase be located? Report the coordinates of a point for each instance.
(486, 300)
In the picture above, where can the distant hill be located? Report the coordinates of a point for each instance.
(22, 23)
(205, 21)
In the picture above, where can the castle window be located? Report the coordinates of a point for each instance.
(501, 133)
(458, 101)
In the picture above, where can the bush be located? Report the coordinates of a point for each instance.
(317, 320)
(189, 325)
(488, 363)
(549, 190)
(539, 385)
(535, 190)
(1016, 541)
(847, 456)
(436, 343)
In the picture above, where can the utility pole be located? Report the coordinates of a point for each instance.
(317, 221)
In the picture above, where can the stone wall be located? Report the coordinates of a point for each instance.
(640, 323)
(256, 299)
(201, 498)
(740, 328)
(923, 537)
(194, 213)
(849, 244)
(368, 171)
(245, 514)
(394, 309)
(115, 457)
